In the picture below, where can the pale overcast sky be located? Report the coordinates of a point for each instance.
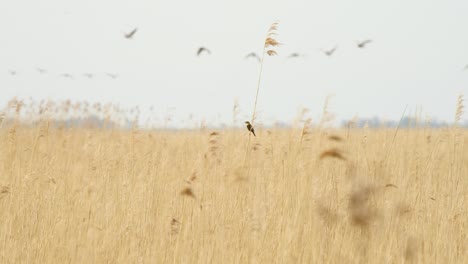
(416, 58)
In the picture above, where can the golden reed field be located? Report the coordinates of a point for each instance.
(305, 194)
(88, 195)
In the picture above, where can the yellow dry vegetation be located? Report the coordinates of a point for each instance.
(77, 195)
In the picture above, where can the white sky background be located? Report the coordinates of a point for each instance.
(420, 48)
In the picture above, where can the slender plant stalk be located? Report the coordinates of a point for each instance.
(268, 49)
(258, 88)
(271, 43)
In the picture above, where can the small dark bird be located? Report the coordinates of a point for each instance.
(130, 35)
(12, 73)
(250, 128)
(330, 52)
(253, 55)
(89, 75)
(363, 43)
(41, 71)
(294, 55)
(203, 49)
(111, 75)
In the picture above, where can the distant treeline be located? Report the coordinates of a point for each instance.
(406, 122)
(95, 121)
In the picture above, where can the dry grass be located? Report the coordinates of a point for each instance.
(110, 196)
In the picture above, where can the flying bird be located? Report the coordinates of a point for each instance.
(66, 75)
(89, 75)
(12, 72)
(294, 55)
(252, 55)
(363, 43)
(330, 52)
(203, 49)
(130, 35)
(250, 127)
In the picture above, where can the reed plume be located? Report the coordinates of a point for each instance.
(459, 111)
(269, 49)
(332, 153)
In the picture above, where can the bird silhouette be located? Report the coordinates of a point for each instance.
(203, 49)
(66, 75)
(362, 44)
(330, 52)
(294, 55)
(252, 55)
(12, 72)
(250, 127)
(131, 33)
(89, 75)
(41, 71)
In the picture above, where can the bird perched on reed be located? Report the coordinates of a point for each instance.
(250, 127)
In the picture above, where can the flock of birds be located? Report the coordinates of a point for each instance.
(327, 52)
(202, 51)
(70, 76)
(87, 75)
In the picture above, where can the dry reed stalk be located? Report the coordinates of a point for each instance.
(175, 226)
(456, 132)
(459, 111)
(327, 214)
(350, 125)
(268, 48)
(235, 111)
(327, 116)
(256, 146)
(306, 130)
(214, 148)
(4, 191)
(410, 250)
